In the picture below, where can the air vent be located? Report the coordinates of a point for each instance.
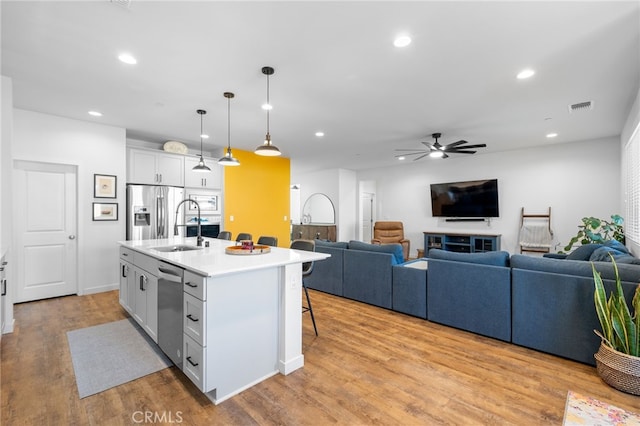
(581, 106)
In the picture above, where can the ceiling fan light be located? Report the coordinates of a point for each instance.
(436, 154)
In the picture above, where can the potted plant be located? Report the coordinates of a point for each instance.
(618, 359)
(594, 230)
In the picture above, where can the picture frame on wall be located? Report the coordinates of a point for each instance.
(105, 211)
(104, 186)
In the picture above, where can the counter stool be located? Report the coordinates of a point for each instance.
(307, 268)
(243, 236)
(268, 241)
(224, 235)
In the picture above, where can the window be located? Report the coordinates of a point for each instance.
(632, 188)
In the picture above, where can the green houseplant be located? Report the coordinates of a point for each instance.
(618, 359)
(594, 230)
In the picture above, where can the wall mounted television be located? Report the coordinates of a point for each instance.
(468, 199)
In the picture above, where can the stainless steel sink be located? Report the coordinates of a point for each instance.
(179, 247)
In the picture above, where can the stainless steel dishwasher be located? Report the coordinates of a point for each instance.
(170, 300)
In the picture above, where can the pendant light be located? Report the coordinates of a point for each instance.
(201, 167)
(228, 159)
(267, 149)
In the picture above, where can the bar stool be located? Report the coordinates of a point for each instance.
(224, 235)
(268, 241)
(307, 268)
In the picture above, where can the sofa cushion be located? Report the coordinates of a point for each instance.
(628, 272)
(583, 252)
(393, 249)
(494, 258)
(332, 244)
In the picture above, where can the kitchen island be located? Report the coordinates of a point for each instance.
(241, 316)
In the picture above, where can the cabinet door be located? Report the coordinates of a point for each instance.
(170, 169)
(211, 180)
(151, 320)
(142, 167)
(127, 280)
(140, 300)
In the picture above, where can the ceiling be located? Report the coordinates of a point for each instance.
(336, 71)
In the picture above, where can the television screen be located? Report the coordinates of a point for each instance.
(478, 198)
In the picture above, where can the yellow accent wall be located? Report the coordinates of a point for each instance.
(256, 195)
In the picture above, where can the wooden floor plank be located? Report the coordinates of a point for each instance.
(367, 366)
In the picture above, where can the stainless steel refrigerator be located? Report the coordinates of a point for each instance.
(151, 211)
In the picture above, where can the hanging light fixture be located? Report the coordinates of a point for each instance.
(201, 167)
(267, 148)
(228, 159)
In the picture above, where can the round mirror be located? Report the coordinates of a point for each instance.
(318, 209)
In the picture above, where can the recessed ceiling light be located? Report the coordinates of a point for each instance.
(525, 74)
(401, 158)
(267, 107)
(319, 134)
(552, 135)
(402, 41)
(127, 59)
(95, 113)
(203, 136)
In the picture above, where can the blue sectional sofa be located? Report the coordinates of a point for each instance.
(553, 308)
(542, 303)
(471, 291)
(358, 271)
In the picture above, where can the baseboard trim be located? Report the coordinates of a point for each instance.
(99, 289)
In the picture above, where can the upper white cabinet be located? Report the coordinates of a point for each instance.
(155, 168)
(212, 180)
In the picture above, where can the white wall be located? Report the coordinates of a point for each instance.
(93, 148)
(574, 179)
(340, 186)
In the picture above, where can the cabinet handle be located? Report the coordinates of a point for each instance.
(142, 281)
(188, 283)
(195, 364)
(192, 318)
(160, 177)
(4, 288)
(125, 270)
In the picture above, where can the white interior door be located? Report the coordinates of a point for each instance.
(45, 230)
(367, 203)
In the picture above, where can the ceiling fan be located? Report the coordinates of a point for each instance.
(437, 150)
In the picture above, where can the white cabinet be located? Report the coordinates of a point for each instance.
(155, 168)
(212, 180)
(195, 328)
(142, 292)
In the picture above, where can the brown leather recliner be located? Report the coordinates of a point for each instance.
(389, 232)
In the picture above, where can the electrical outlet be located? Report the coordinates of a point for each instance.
(231, 218)
(285, 218)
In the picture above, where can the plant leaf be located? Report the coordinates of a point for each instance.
(602, 305)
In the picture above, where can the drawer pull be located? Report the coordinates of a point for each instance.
(195, 364)
(191, 285)
(192, 318)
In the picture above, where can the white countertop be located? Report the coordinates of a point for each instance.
(213, 261)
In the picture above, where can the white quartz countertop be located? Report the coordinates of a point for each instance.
(213, 261)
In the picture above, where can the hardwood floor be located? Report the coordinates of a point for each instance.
(368, 366)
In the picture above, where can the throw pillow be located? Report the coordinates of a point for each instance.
(583, 252)
(602, 254)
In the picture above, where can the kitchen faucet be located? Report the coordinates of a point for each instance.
(175, 226)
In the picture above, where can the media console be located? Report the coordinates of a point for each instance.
(462, 243)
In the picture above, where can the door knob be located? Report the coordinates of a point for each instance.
(72, 237)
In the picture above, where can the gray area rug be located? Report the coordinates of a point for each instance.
(111, 354)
